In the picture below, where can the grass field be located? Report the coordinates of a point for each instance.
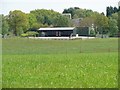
(60, 63)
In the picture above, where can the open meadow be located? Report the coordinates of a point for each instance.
(34, 63)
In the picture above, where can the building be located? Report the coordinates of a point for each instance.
(64, 31)
(57, 32)
(83, 31)
(67, 15)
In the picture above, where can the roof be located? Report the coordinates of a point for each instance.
(58, 28)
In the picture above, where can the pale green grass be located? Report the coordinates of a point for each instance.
(54, 63)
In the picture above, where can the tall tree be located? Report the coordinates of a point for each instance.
(113, 28)
(69, 10)
(44, 16)
(101, 22)
(61, 21)
(110, 10)
(119, 21)
(0, 23)
(32, 20)
(18, 21)
(77, 12)
(87, 22)
(5, 26)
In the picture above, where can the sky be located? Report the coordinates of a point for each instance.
(56, 5)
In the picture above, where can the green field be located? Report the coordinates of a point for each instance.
(60, 63)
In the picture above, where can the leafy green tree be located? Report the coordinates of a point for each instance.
(5, 26)
(113, 28)
(44, 16)
(114, 16)
(32, 33)
(102, 24)
(78, 12)
(87, 22)
(61, 21)
(35, 26)
(111, 10)
(32, 20)
(70, 10)
(119, 21)
(0, 23)
(18, 22)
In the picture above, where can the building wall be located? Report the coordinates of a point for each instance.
(83, 31)
(56, 33)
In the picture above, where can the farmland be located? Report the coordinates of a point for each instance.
(60, 63)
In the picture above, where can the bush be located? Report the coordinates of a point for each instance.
(32, 33)
(24, 35)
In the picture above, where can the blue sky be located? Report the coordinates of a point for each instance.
(56, 5)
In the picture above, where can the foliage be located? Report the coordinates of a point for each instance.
(102, 24)
(44, 16)
(32, 20)
(69, 10)
(0, 23)
(113, 28)
(35, 26)
(5, 26)
(78, 12)
(18, 22)
(114, 16)
(32, 33)
(29, 33)
(24, 35)
(87, 22)
(119, 21)
(61, 21)
(111, 10)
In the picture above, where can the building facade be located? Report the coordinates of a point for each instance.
(64, 31)
(57, 32)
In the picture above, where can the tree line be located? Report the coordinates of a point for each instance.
(103, 24)
(18, 22)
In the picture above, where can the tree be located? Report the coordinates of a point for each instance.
(80, 13)
(18, 22)
(115, 9)
(32, 20)
(87, 22)
(110, 10)
(5, 26)
(102, 23)
(114, 16)
(44, 16)
(119, 21)
(69, 10)
(61, 21)
(113, 28)
(77, 12)
(0, 23)
(35, 26)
